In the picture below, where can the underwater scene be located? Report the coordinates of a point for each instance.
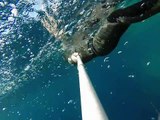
(38, 83)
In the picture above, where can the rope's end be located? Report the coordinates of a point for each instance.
(73, 58)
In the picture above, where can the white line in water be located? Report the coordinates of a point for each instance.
(91, 106)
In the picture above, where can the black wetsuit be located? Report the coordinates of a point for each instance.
(106, 39)
(135, 13)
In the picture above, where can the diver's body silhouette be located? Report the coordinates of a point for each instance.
(108, 35)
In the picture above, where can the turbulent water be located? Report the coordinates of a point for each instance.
(22, 52)
(32, 32)
(36, 82)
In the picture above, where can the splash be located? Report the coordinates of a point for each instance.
(19, 61)
(33, 31)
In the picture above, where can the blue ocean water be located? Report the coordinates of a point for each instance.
(37, 83)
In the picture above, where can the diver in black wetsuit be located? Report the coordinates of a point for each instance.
(107, 37)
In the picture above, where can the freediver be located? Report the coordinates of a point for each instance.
(108, 35)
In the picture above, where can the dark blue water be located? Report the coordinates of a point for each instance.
(37, 83)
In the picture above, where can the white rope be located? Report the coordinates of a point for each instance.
(90, 104)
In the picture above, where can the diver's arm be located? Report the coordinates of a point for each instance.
(136, 13)
(108, 37)
(109, 34)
